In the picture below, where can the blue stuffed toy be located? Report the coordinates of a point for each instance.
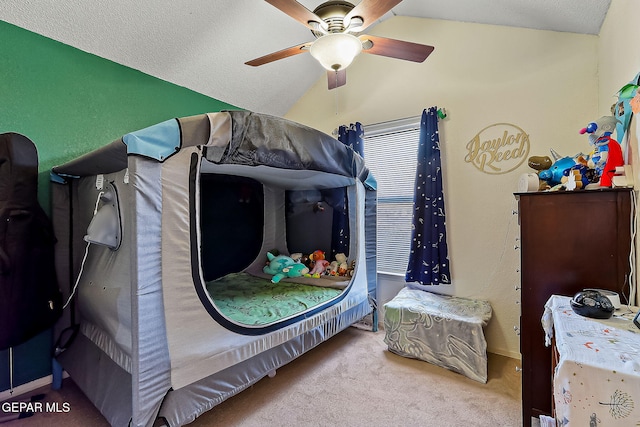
(282, 266)
(554, 174)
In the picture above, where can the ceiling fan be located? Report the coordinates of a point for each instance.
(337, 26)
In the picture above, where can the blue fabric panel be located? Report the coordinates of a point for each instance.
(158, 142)
(353, 137)
(428, 259)
(371, 183)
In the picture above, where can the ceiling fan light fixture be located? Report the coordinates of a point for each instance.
(336, 51)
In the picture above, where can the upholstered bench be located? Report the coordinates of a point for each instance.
(443, 330)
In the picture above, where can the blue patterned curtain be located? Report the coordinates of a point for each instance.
(428, 259)
(351, 136)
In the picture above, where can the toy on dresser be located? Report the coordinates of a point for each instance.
(563, 172)
(558, 169)
(580, 171)
(606, 154)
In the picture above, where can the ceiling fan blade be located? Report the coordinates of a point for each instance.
(370, 11)
(297, 12)
(396, 48)
(281, 54)
(337, 78)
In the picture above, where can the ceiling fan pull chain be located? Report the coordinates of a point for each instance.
(335, 94)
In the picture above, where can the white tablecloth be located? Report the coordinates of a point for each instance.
(597, 379)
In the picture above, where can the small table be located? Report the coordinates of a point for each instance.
(596, 380)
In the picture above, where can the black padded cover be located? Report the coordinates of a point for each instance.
(30, 301)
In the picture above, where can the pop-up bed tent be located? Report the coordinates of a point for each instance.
(163, 236)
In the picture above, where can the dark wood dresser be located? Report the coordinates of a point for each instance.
(569, 241)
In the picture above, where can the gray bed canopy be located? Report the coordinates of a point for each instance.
(231, 137)
(199, 201)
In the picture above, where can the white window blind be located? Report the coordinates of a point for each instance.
(390, 151)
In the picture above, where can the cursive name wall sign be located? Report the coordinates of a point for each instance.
(498, 148)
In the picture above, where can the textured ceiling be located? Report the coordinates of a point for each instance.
(203, 44)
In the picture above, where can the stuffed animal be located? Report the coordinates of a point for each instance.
(305, 260)
(295, 270)
(554, 174)
(341, 259)
(539, 163)
(317, 255)
(332, 269)
(283, 266)
(352, 268)
(314, 257)
(607, 153)
(574, 179)
(275, 263)
(301, 258)
(579, 176)
(318, 269)
(342, 269)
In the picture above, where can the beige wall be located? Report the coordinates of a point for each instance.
(544, 82)
(619, 51)
(619, 62)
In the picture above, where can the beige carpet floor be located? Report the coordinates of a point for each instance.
(351, 380)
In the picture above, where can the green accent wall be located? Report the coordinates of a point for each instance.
(69, 102)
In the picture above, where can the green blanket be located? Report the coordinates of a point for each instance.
(251, 300)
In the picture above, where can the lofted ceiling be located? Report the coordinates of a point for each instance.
(203, 44)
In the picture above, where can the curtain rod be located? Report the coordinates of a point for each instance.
(396, 125)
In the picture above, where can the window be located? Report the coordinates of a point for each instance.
(391, 149)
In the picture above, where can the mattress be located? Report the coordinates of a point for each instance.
(256, 301)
